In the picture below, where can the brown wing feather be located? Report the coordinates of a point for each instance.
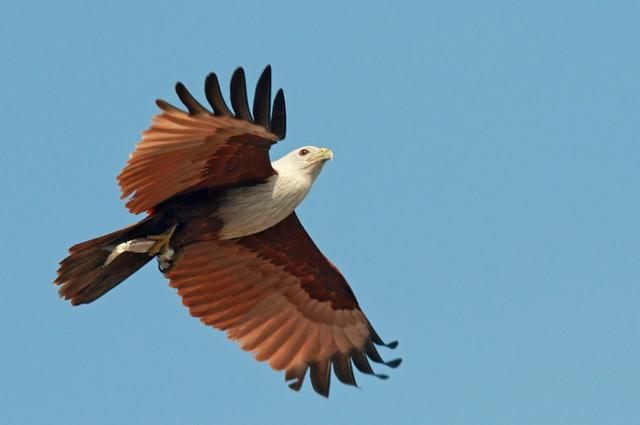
(280, 298)
(187, 151)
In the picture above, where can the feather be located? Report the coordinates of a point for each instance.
(239, 95)
(378, 341)
(279, 117)
(362, 364)
(343, 369)
(373, 354)
(288, 350)
(296, 373)
(321, 377)
(214, 96)
(166, 106)
(189, 101)
(262, 99)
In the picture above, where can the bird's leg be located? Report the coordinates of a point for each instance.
(167, 257)
(161, 244)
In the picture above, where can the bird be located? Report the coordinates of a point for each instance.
(221, 222)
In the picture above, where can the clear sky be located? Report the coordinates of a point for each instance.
(483, 202)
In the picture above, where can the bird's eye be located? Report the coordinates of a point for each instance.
(303, 152)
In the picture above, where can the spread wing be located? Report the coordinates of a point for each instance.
(198, 149)
(277, 295)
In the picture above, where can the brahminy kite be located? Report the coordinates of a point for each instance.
(221, 222)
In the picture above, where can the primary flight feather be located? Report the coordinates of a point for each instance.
(221, 222)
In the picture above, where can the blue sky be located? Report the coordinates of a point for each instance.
(483, 203)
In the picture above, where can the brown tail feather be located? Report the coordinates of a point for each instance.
(83, 276)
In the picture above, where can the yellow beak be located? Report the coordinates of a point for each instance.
(324, 154)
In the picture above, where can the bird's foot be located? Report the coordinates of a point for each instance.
(161, 244)
(168, 260)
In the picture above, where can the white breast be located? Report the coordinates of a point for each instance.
(251, 209)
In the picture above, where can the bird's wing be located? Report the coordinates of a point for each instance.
(277, 295)
(198, 149)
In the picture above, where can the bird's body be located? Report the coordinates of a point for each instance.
(221, 221)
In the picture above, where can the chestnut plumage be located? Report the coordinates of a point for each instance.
(271, 290)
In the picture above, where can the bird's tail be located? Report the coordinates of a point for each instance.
(96, 266)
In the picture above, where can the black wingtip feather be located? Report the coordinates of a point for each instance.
(262, 99)
(296, 374)
(371, 352)
(166, 106)
(214, 96)
(279, 116)
(271, 117)
(362, 364)
(320, 374)
(295, 386)
(392, 345)
(343, 369)
(394, 363)
(239, 95)
(189, 101)
(378, 341)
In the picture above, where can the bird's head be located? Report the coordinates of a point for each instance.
(307, 160)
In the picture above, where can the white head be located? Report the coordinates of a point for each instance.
(305, 160)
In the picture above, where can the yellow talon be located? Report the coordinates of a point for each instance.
(162, 241)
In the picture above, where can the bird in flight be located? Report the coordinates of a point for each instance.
(221, 221)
